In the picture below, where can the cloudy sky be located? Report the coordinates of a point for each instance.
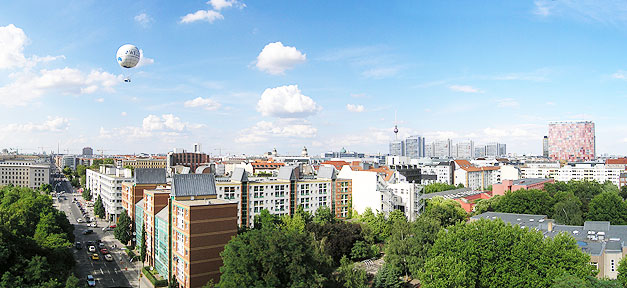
(247, 76)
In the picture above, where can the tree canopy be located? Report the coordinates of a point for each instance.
(489, 253)
(438, 187)
(608, 206)
(122, 229)
(445, 211)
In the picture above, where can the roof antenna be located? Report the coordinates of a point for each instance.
(395, 127)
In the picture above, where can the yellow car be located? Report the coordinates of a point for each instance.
(95, 257)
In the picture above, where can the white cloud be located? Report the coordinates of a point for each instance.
(221, 4)
(355, 108)
(620, 74)
(28, 86)
(381, 72)
(53, 124)
(440, 135)
(144, 20)
(464, 88)
(143, 60)
(165, 122)
(286, 102)
(275, 58)
(542, 8)
(207, 103)
(550, 103)
(99, 100)
(202, 15)
(358, 95)
(123, 113)
(12, 42)
(263, 130)
(507, 102)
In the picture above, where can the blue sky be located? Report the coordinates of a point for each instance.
(248, 76)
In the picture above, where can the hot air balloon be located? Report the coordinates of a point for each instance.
(128, 56)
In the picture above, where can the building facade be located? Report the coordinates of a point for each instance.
(107, 183)
(144, 163)
(545, 146)
(133, 191)
(464, 150)
(414, 147)
(572, 141)
(24, 173)
(397, 148)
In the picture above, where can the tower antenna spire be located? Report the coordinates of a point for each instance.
(395, 127)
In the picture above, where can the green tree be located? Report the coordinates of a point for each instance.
(438, 187)
(622, 271)
(209, 284)
(337, 238)
(324, 215)
(569, 281)
(446, 211)
(387, 278)
(173, 282)
(265, 219)
(274, 257)
(67, 171)
(407, 247)
(487, 253)
(362, 250)
(75, 182)
(46, 188)
(86, 194)
(351, 277)
(486, 205)
(122, 229)
(567, 209)
(99, 208)
(525, 201)
(73, 282)
(142, 245)
(608, 206)
(623, 192)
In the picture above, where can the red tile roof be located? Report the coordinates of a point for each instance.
(616, 161)
(337, 164)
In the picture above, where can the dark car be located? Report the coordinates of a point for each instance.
(78, 245)
(88, 231)
(90, 243)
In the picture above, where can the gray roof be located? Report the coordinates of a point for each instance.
(327, 172)
(526, 220)
(150, 176)
(452, 194)
(193, 184)
(530, 181)
(597, 226)
(287, 173)
(239, 174)
(163, 214)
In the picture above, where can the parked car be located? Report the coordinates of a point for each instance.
(88, 231)
(90, 243)
(78, 245)
(94, 225)
(92, 249)
(108, 257)
(91, 282)
(79, 220)
(101, 245)
(112, 226)
(95, 257)
(105, 229)
(104, 251)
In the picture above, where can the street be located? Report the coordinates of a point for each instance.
(117, 273)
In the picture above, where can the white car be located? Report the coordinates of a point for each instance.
(92, 249)
(79, 220)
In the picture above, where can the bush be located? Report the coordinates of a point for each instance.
(152, 279)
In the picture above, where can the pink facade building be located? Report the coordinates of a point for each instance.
(572, 141)
(514, 185)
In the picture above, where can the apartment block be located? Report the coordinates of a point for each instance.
(572, 141)
(186, 228)
(415, 147)
(187, 159)
(107, 183)
(477, 178)
(515, 185)
(24, 173)
(143, 179)
(144, 163)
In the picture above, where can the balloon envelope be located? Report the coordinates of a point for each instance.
(128, 56)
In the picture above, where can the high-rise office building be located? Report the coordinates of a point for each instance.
(572, 141)
(464, 150)
(545, 146)
(442, 148)
(397, 148)
(87, 151)
(415, 147)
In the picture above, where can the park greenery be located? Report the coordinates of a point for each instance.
(34, 241)
(439, 187)
(440, 248)
(569, 203)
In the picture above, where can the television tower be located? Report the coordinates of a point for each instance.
(395, 127)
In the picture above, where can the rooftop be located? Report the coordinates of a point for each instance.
(193, 184)
(452, 194)
(150, 176)
(204, 202)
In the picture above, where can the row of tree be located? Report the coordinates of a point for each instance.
(34, 241)
(569, 203)
(439, 187)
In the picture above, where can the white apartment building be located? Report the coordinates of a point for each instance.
(24, 173)
(107, 183)
(591, 171)
(405, 196)
(476, 178)
(442, 171)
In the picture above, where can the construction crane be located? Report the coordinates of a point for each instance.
(101, 150)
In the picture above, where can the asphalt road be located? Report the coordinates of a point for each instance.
(107, 274)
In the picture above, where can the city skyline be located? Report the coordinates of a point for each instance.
(233, 76)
